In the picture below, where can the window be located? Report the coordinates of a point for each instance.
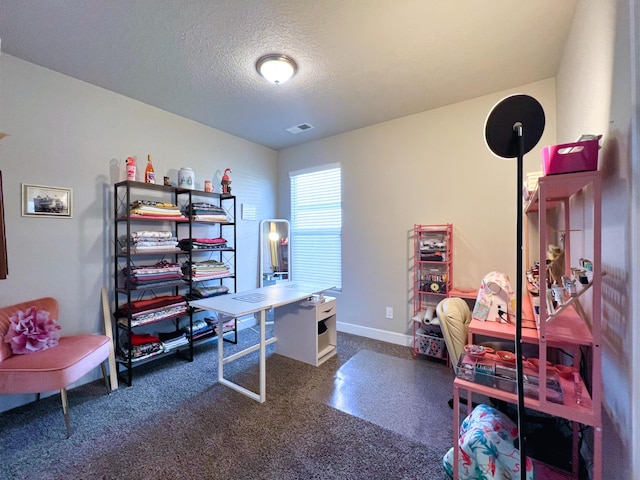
(316, 225)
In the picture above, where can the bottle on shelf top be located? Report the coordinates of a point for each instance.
(149, 173)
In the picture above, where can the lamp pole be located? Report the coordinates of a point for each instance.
(518, 131)
(505, 137)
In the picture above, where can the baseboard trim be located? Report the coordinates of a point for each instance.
(373, 333)
(376, 334)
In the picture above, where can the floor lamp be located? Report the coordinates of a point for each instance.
(514, 126)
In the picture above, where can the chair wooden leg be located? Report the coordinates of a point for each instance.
(65, 410)
(105, 376)
(108, 330)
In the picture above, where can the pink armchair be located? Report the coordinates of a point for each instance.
(54, 368)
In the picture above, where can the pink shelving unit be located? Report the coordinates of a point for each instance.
(572, 324)
(432, 282)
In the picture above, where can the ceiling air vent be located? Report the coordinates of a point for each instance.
(300, 128)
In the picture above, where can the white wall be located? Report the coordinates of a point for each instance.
(432, 167)
(594, 96)
(68, 133)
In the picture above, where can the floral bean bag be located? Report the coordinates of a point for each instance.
(487, 450)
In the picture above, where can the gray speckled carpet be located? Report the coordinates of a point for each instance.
(176, 422)
(395, 393)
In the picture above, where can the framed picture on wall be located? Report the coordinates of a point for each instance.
(43, 201)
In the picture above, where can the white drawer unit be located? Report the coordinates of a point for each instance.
(300, 331)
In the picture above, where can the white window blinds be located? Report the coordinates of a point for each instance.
(316, 225)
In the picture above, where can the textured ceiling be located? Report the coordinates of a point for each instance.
(360, 62)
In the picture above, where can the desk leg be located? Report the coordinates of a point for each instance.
(262, 395)
(575, 447)
(263, 356)
(597, 453)
(220, 349)
(456, 430)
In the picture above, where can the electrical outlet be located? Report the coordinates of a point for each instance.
(390, 313)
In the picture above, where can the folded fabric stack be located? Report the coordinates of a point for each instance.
(200, 327)
(228, 326)
(157, 274)
(152, 209)
(209, 291)
(171, 340)
(202, 243)
(142, 345)
(150, 241)
(152, 310)
(205, 270)
(206, 212)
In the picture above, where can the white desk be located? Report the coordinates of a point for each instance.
(258, 301)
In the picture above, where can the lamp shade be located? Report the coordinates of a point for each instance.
(276, 68)
(504, 116)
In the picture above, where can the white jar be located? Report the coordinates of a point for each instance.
(186, 178)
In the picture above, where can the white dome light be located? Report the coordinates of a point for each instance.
(276, 68)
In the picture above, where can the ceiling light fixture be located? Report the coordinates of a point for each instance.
(276, 68)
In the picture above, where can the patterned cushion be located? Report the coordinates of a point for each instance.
(487, 451)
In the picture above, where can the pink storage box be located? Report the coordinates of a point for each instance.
(570, 157)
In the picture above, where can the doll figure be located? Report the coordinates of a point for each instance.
(226, 182)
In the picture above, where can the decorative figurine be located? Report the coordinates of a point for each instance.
(226, 182)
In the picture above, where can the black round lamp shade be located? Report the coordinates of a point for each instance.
(505, 116)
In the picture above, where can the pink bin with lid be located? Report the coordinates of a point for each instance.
(570, 157)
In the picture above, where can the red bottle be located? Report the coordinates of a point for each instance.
(149, 173)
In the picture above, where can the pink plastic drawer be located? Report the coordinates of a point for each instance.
(570, 157)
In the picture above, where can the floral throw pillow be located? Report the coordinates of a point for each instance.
(32, 331)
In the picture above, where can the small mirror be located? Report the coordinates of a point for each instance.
(274, 252)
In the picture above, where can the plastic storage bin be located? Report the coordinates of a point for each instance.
(502, 377)
(431, 345)
(570, 157)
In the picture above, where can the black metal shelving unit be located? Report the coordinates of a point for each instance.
(126, 258)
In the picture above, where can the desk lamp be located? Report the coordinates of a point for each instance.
(514, 126)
